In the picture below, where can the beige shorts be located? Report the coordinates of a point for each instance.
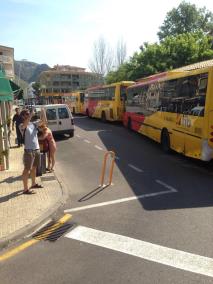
(31, 159)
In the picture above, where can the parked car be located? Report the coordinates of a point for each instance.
(59, 118)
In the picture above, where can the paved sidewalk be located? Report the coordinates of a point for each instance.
(20, 212)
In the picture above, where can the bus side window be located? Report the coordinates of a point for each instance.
(123, 97)
(202, 86)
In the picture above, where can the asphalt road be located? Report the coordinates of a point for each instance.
(168, 202)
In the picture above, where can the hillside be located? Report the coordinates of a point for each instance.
(29, 71)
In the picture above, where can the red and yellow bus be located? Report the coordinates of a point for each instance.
(106, 102)
(75, 101)
(175, 108)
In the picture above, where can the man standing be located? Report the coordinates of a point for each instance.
(17, 120)
(31, 150)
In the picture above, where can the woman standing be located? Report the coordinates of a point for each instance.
(47, 134)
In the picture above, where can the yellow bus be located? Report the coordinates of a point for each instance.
(106, 102)
(175, 108)
(75, 101)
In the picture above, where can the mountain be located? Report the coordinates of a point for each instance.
(29, 71)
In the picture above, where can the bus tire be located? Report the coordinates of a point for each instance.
(165, 141)
(103, 116)
(129, 124)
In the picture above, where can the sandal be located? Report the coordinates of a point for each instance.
(29, 192)
(37, 186)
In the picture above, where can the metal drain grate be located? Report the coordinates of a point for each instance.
(53, 231)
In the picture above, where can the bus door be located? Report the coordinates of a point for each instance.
(195, 131)
(81, 103)
(192, 120)
(121, 102)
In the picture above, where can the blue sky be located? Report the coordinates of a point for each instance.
(64, 31)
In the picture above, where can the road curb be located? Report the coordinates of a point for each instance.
(23, 232)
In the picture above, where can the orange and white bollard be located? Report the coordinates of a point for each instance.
(112, 155)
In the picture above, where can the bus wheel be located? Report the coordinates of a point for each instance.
(129, 124)
(103, 116)
(165, 141)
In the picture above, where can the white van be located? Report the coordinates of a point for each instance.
(59, 118)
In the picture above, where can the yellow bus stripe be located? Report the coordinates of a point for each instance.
(29, 243)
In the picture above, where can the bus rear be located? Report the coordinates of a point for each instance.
(75, 101)
(106, 102)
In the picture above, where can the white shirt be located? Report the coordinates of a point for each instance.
(30, 137)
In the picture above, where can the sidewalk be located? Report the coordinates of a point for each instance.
(20, 213)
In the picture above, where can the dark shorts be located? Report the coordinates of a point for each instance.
(31, 159)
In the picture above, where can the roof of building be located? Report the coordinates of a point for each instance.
(67, 68)
(69, 72)
(6, 47)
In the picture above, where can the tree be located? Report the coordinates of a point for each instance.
(36, 89)
(171, 53)
(120, 52)
(102, 61)
(186, 18)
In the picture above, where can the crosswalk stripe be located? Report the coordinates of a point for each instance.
(145, 250)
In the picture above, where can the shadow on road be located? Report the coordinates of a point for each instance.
(91, 194)
(59, 137)
(191, 178)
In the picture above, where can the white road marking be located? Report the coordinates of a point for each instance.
(135, 168)
(38, 229)
(145, 250)
(98, 147)
(119, 201)
(87, 141)
(166, 185)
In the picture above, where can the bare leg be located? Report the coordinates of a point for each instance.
(33, 175)
(49, 161)
(53, 160)
(25, 176)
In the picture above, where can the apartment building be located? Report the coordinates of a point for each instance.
(66, 79)
(7, 60)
